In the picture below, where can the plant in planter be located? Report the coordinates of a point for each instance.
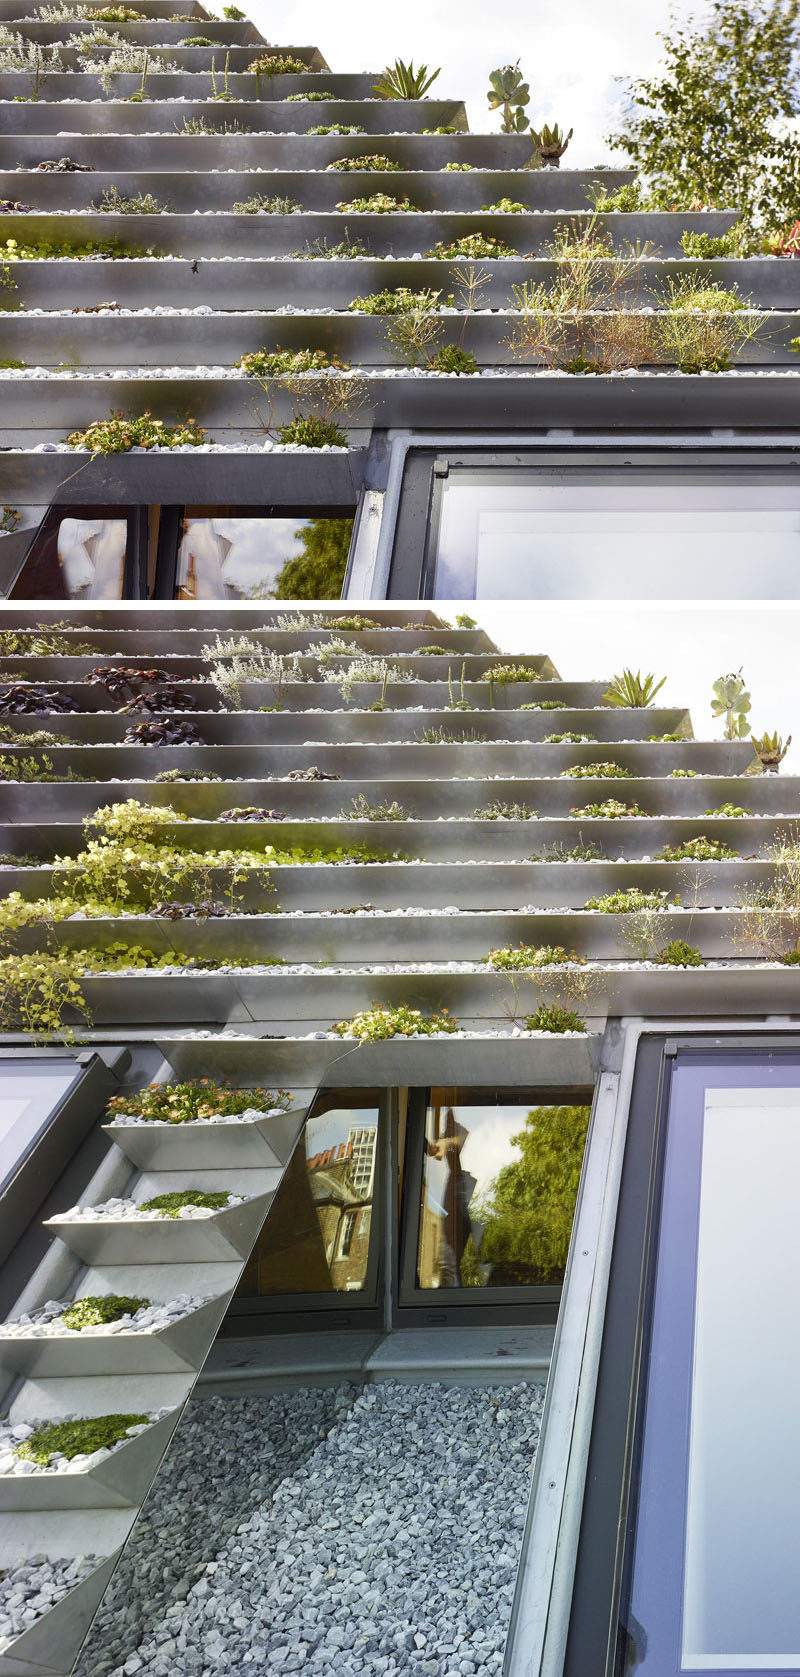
(506, 206)
(9, 519)
(732, 700)
(251, 812)
(27, 769)
(596, 771)
(119, 434)
(633, 691)
(444, 128)
(498, 810)
(624, 200)
(457, 169)
(129, 683)
(198, 125)
(362, 810)
(679, 953)
(699, 849)
(278, 64)
(402, 81)
(29, 698)
(379, 203)
(205, 909)
(510, 94)
(33, 739)
(550, 145)
(272, 363)
(171, 1205)
(171, 777)
(732, 811)
(704, 327)
(33, 61)
(589, 319)
(480, 247)
(771, 749)
(609, 810)
(347, 250)
(443, 736)
(165, 730)
(37, 990)
(370, 163)
(569, 853)
(683, 774)
(554, 1020)
(95, 1310)
(312, 431)
(504, 675)
(451, 359)
(569, 739)
(184, 1103)
(736, 241)
(77, 1438)
(367, 668)
(379, 1023)
(337, 128)
(632, 901)
(525, 956)
(310, 99)
(237, 662)
(260, 203)
(222, 95)
(544, 704)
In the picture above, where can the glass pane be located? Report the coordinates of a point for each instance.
(76, 558)
(29, 1093)
(645, 533)
(316, 1238)
(250, 558)
(498, 1192)
(713, 1578)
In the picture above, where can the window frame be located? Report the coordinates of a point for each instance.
(594, 1641)
(306, 1312)
(415, 537)
(464, 1305)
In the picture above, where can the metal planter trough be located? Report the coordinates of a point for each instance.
(220, 1237)
(178, 1348)
(51, 1645)
(121, 1481)
(258, 1143)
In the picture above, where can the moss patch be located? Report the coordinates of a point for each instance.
(92, 1311)
(76, 1438)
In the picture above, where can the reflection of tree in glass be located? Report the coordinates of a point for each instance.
(527, 1211)
(316, 573)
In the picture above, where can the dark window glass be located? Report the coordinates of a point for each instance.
(317, 1237)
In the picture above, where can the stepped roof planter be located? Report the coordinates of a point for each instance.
(179, 1348)
(223, 1236)
(121, 1481)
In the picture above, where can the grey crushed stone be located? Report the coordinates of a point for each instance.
(339, 1532)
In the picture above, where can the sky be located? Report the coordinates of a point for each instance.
(691, 646)
(569, 51)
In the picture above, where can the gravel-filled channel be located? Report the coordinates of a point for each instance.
(341, 1531)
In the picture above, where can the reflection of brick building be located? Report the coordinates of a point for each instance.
(340, 1179)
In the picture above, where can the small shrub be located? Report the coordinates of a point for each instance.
(362, 810)
(476, 247)
(704, 327)
(525, 956)
(679, 953)
(700, 849)
(596, 771)
(708, 246)
(570, 853)
(374, 163)
(625, 200)
(278, 64)
(347, 250)
(310, 99)
(379, 203)
(730, 811)
(451, 359)
(610, 810)
(632, 901)
(556, 1021)
(569, 739)
(114, 202)
(119, 434)
(337, 128)
(506, 206)
(457, 168)
(184, 1103)
(503, 675)
(499, 811)
(379, 1023)
(545, 704)
(402, 81)
(313, 432)
(260, 203)
(683, 774)
(277, 363)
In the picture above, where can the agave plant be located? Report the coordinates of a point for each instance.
(772, 750)
(402, 81)
(551, 144)
(632, 691)
(511, 95)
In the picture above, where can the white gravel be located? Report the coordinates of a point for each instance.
(344, 1532)
(34, 1586)
(47, 1323)
(127, 1211)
